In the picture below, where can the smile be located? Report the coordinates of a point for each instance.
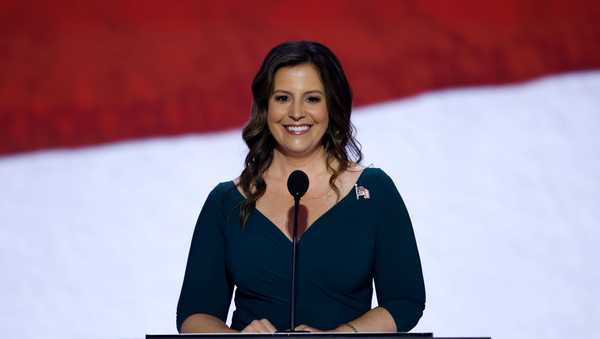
(297, 129)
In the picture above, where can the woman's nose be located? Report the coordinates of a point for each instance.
(296, 111)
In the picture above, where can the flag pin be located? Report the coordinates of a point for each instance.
(361, 191)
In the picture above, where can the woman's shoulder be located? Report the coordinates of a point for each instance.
(375, 178)
(374, 173)
(235, 184)
(223, 187)
(223, 191)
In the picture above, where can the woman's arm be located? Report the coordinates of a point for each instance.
(375, 320)
(204, 323)
(207, 288)
(397, 266)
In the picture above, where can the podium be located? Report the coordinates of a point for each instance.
(300, 335)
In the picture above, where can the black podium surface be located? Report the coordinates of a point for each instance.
(303, 336)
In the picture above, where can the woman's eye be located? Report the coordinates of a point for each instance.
(281, 98)
(313, 100)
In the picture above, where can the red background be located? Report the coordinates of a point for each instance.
(76, 73)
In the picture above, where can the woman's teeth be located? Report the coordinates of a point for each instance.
(297, 129)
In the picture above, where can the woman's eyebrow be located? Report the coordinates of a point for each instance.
(290, 93)
(282, 91)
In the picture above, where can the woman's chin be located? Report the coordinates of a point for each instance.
(299, 152)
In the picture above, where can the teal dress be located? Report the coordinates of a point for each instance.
(366, 236)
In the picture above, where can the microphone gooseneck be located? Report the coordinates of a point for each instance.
(297, 185)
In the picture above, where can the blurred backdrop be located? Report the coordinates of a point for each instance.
(118, 117)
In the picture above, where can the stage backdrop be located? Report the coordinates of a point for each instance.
(78, 73)
(118, 117)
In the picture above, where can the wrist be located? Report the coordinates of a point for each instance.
(346, 328)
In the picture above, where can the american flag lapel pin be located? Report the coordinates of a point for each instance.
(361, 192)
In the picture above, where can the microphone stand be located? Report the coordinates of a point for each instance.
(297, 186)
(294, 249)
(293, 287)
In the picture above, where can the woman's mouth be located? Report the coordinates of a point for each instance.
(297, 129)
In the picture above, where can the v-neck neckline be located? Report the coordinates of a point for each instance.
(309, 227)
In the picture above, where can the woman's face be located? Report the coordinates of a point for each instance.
(297, 112)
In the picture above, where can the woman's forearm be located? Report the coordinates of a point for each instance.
(204, 323)
(375, 320)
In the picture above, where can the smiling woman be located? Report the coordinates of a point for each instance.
(298, 73)
(297, 113)
(355, 228)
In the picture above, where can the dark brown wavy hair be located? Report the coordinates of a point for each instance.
(339, 142)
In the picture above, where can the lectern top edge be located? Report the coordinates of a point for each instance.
(298, 334)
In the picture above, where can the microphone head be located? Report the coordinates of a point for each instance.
(297, 184)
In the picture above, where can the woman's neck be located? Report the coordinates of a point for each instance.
(313, 164)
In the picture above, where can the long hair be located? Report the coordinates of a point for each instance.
(339, 142)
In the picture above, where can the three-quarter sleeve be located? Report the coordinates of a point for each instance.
(207, 287)
(397, 272)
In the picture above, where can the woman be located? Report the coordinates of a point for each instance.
(354, 227)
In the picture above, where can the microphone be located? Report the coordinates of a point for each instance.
(297, 186)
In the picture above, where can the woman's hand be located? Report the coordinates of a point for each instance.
(307, 328)
(260, 326)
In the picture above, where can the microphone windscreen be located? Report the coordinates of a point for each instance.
(297, 184)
